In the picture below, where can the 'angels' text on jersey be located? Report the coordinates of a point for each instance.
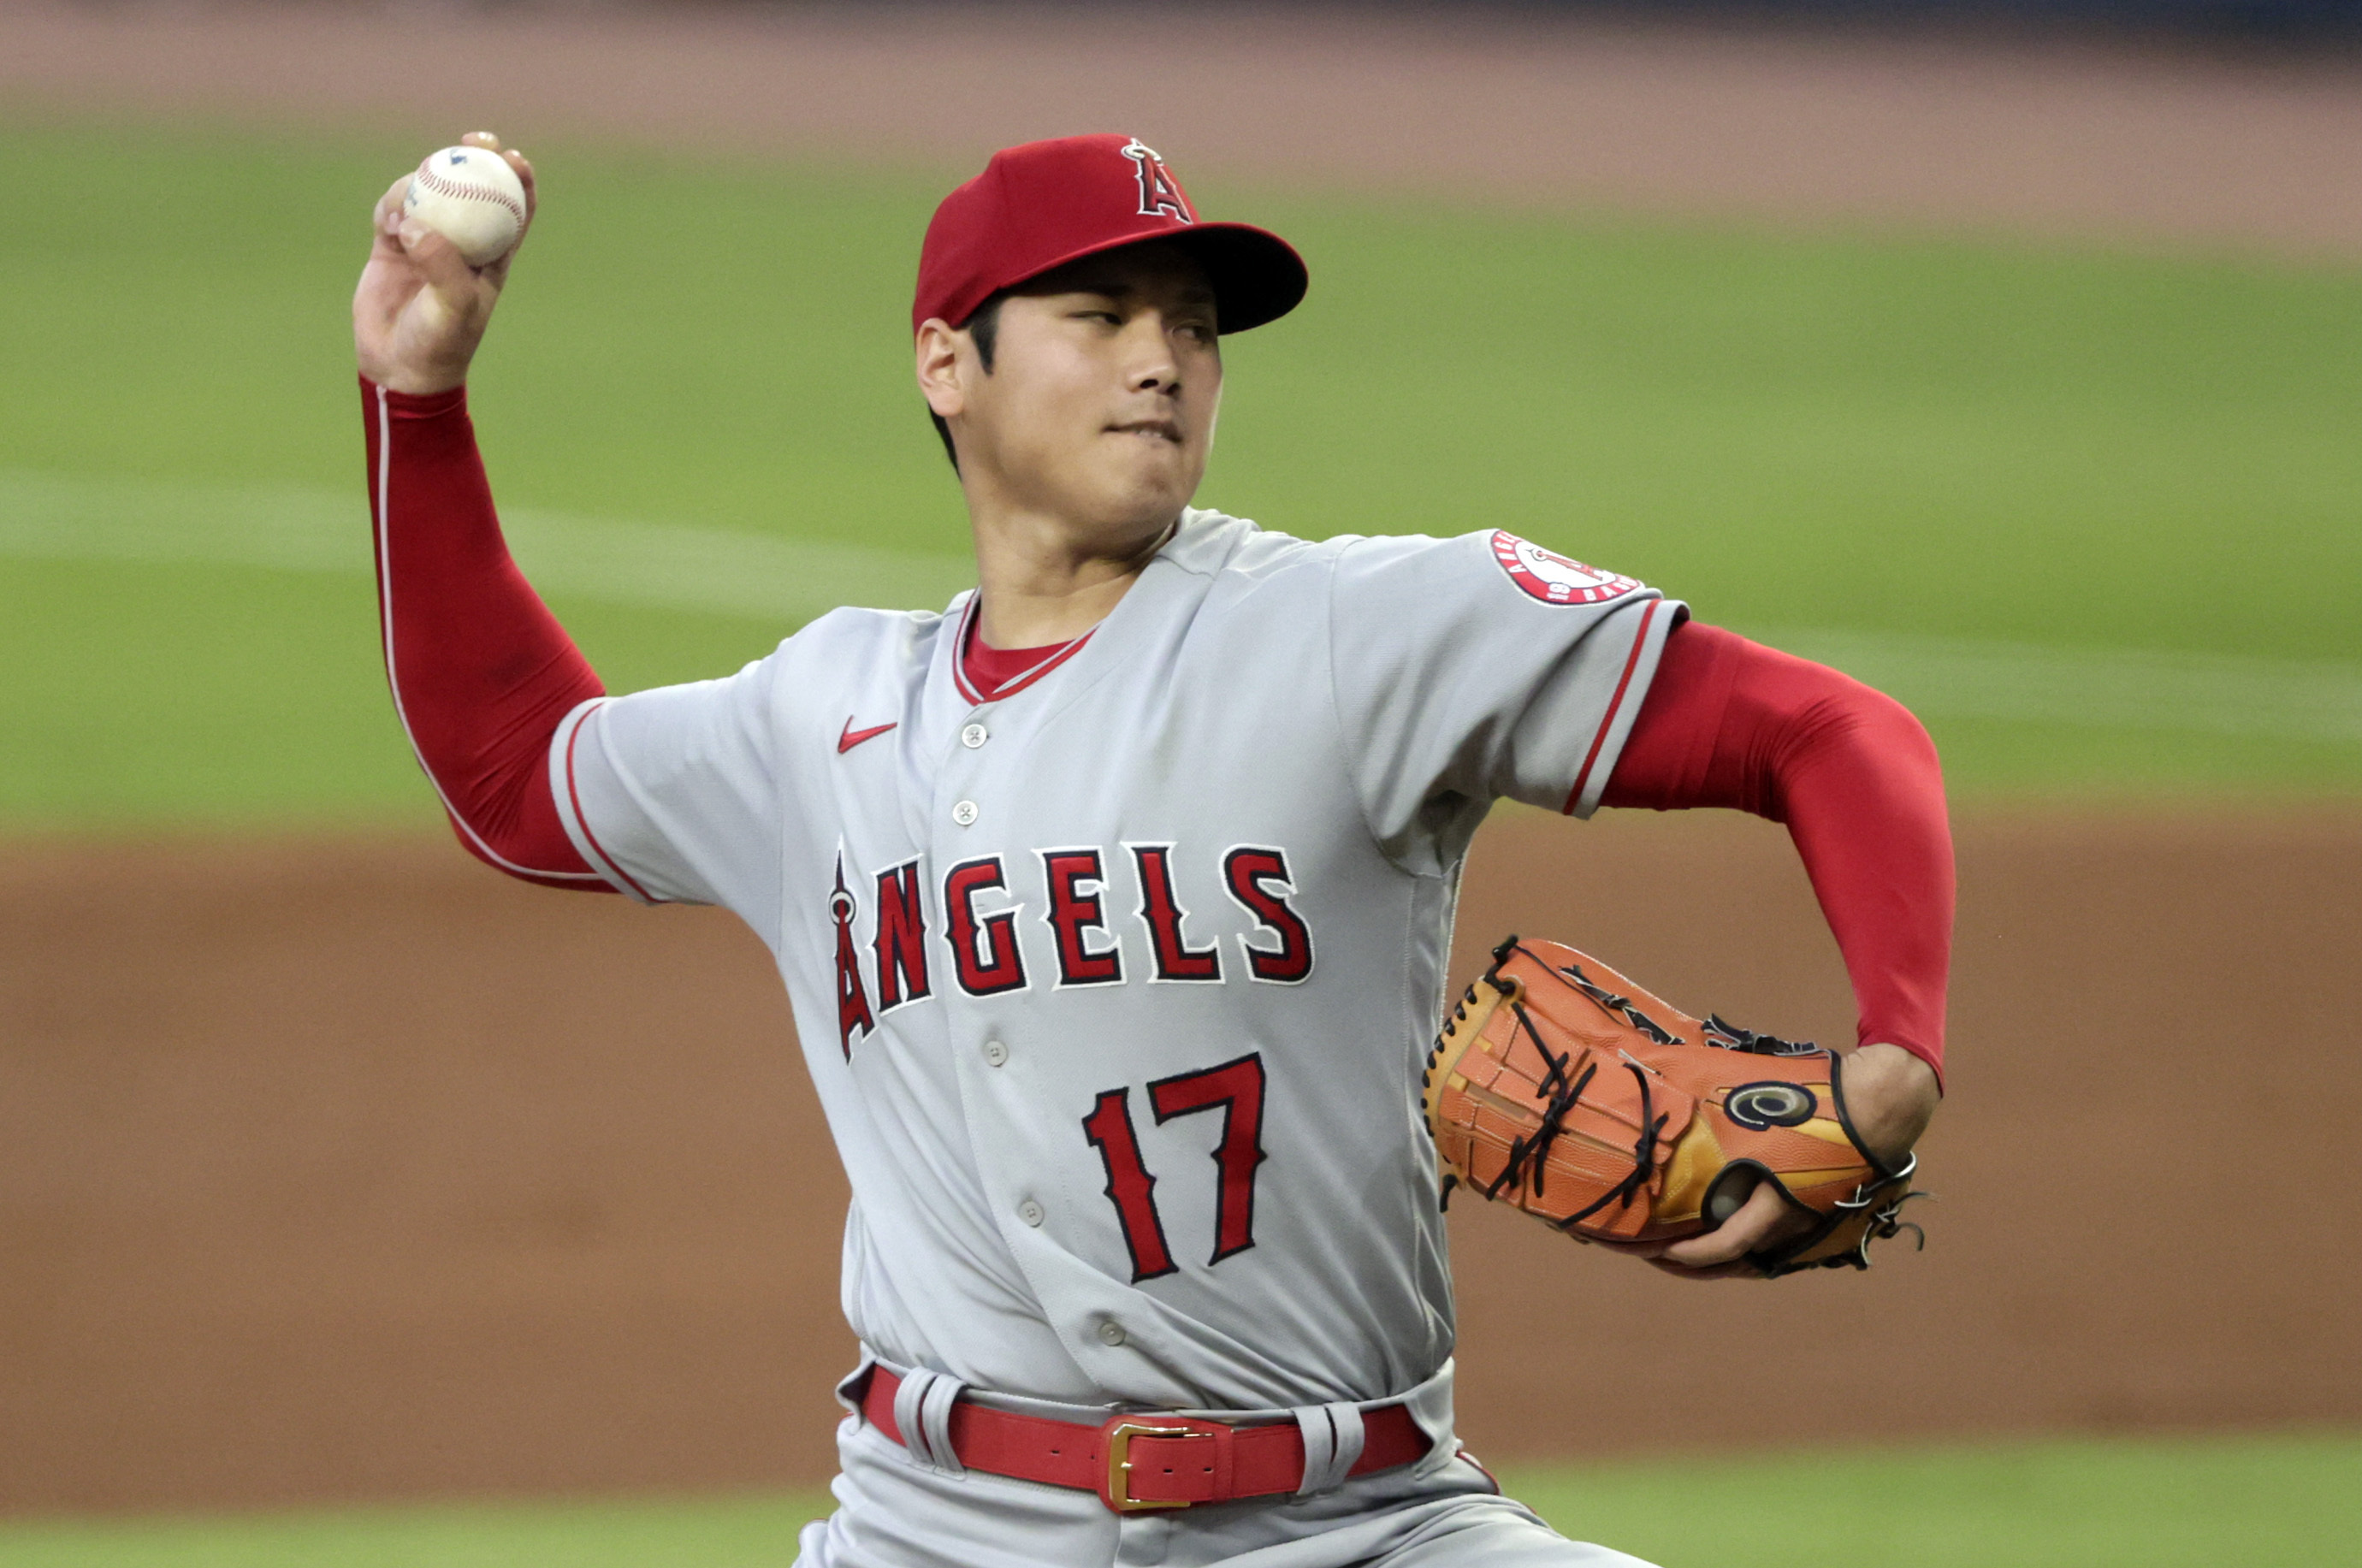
(882, 949)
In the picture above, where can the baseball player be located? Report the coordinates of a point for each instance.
(1113, 901)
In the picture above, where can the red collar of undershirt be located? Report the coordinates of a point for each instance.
(986, 674)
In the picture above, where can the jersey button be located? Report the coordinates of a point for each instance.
(974, 736)
(1031, 1212)
(1111, 1334)
(965, 813)
(995, 1053)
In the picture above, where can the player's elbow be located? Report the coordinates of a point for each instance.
(1837, 724)
(512, 826)
(1883, 722)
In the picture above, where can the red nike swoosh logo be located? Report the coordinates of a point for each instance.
(852, 737)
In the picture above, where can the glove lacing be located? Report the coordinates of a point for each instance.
(1565, 1094)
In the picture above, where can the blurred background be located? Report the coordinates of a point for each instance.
(358, 1207)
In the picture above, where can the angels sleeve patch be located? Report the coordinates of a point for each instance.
(1552, 578)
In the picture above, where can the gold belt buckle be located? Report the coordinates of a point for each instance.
(1117, 1490)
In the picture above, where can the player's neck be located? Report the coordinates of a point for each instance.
(1044, 582)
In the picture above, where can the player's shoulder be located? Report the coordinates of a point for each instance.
(1241, 554)
(847, 654)
(868, 636)
(1490, 563)
(1484, 562)
(1212, 543)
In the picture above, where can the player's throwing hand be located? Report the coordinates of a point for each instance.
(421, 310)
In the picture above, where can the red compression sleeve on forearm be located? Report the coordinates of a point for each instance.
(482, 672)
(1730, 722)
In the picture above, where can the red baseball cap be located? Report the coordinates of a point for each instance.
(1048, 202)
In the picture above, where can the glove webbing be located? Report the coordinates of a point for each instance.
(1565, 1095)
(1608, 1000)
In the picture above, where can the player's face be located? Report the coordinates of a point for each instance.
(1099, 408)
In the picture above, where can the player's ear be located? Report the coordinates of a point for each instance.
(939, 361)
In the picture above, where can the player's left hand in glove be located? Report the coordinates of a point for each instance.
(421, 310)
(1560, 1087)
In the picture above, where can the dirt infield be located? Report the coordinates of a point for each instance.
(345, 1169)
(1504, 106)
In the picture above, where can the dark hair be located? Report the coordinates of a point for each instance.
(984, 326)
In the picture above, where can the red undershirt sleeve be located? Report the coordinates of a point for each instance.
(1730, 722)
(482, 672)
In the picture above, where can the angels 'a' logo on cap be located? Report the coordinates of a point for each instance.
(1159, 192)
(1552, 578)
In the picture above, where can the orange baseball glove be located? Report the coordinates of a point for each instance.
(1561, 1087)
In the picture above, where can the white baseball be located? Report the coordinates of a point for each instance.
(471, 198)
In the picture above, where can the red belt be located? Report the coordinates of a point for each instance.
(1146, 1459)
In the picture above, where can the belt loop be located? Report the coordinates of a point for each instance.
(922, 1409)
(1333, 1435)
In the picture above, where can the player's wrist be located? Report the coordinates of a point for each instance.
(1891, 1095)
(425, 385)
(414, 369)
(406, 404)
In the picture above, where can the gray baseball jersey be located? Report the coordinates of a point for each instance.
(1115, 982)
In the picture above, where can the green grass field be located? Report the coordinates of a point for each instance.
(2253, 1502)
(2093, 513)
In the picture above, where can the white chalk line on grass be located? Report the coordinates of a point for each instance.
(2115, 688)
(45, 517)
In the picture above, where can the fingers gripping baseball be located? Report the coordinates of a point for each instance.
(421, 310)
(1761, 1223)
